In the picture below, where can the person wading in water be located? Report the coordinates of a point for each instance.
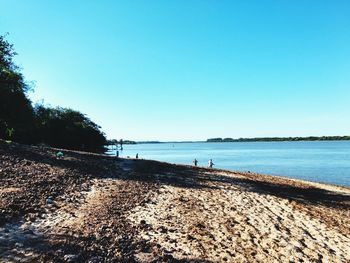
(210, 163)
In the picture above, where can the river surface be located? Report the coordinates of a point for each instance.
(320, 161)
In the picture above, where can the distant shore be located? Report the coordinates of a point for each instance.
(256, 139)
(282, 139)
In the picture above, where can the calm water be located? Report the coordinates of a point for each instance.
(326, 161)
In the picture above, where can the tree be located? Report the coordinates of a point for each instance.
(16, 111)
(57, 127)
(67, 128)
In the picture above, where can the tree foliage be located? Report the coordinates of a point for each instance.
(57, 127)
(16, 111)
(67, 128)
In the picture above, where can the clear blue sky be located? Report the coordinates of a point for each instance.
(189, 70)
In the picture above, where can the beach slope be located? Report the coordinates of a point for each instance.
(86, 207)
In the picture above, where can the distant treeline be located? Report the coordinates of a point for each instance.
(22, 122)
(148, 142)
(281, 139)
(121, 142)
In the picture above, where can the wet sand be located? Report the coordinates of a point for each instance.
(94, 208)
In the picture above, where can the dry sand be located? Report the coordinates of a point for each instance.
(147, 211)
(226, 221)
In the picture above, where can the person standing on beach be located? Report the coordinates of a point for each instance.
(210, 163)
(137, 156)
(195, 162)
(116, 149)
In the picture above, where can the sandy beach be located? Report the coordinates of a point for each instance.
(95, 208)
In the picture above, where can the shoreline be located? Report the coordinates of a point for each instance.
(315, 162)
(94, 207)
(247, 173)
